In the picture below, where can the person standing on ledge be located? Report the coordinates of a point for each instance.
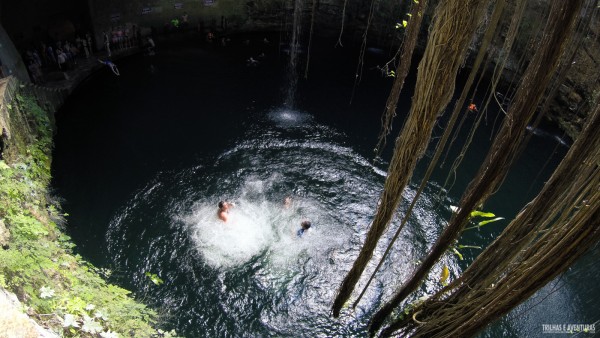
(223, 212)
(106, 43)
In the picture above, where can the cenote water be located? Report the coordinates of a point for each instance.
(141, 161)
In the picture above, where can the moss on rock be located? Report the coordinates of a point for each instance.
(60, 290)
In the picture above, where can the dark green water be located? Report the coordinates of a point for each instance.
(142, 160)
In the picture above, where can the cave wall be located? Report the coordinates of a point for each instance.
(26, 21)
(42, 20)
(229, 16)
(11, 62)
(578, 95)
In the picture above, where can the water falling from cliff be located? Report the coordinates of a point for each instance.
(294, 49)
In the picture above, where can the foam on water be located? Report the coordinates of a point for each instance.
(258, 226)
(285, 117)
(255, 263)
(234, 242)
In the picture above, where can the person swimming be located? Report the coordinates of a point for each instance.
(223, 212)
(287, 202)
(304, 226)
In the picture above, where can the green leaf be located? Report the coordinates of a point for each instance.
(482, 214)
(154, 278)
(489, 221)
(469, 247)
(460, 256)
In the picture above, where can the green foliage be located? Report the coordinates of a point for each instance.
(154, 278)
(27, 227)
(457, 253)
(402, 25)
(481, 214)
(39, 266)
(3, 281)
(169, 334)
(405, 22)
(482, 223)
(477, 213)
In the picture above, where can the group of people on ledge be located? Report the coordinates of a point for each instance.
(53, 55)
(224, 206)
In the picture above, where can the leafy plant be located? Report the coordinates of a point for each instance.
(39, 266)
(444, 275)
(154, 278)
(477, 213)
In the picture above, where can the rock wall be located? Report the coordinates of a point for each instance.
(569, 109)
(580, 91)
(15, 129)
(31, 20)
(37, 263)
(15, 323)
(228, 16)
(60, 19)
(11, 62)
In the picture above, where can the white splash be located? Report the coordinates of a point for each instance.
(285, 118)
(258, 226)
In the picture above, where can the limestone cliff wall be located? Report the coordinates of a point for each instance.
(11, 62)
(569, 109)
(60, 19)
(37, 264)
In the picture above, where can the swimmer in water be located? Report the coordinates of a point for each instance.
(223, 212)
(287, 202)
(304, 226)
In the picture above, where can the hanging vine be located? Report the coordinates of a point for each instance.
(565, 66)
(339, 40)
(497, 75)
(505, 146)
(549, 234)
(312, 24)
(454, 24)
(363, 48)
(490, 30)
(412, 36)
